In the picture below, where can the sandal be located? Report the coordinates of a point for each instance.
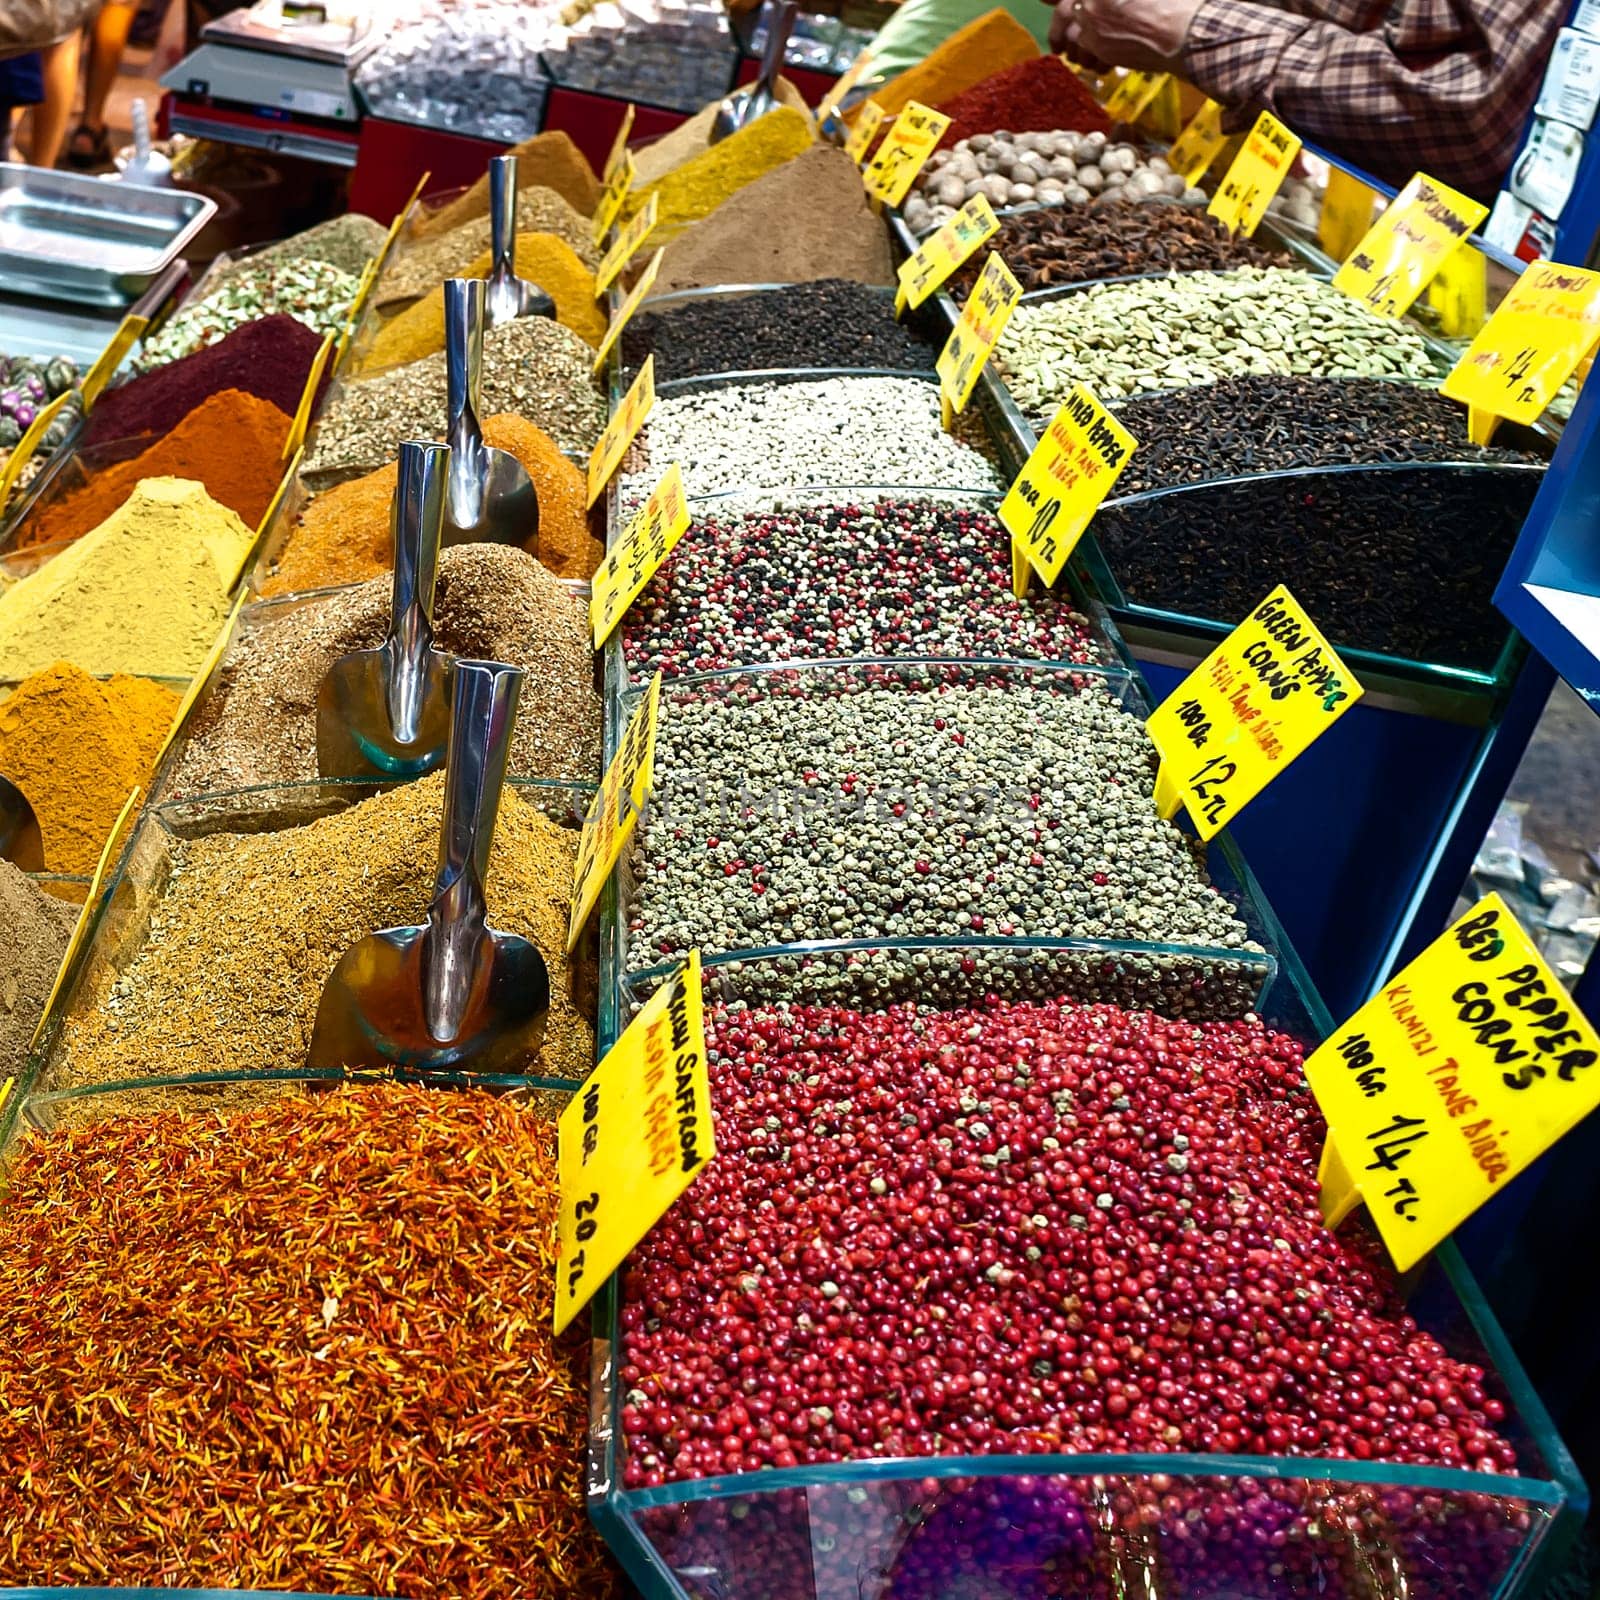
(87, 149)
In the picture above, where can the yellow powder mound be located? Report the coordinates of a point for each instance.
(978, 51)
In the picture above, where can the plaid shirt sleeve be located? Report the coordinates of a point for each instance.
(1437, 85)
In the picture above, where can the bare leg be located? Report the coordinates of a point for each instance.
(60, 90)
(106, 45)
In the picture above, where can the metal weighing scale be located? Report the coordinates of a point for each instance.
(276, 76)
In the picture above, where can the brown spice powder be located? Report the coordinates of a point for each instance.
(258, 722)
(251, 925)
(34, 929)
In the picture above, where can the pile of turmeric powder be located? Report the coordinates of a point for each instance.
(541, 259)
(343, 536)
(75, 746)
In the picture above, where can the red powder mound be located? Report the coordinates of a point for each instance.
(1037, 96)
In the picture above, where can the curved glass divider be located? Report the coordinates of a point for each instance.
(130, 900)
(1197, 556)
(1184, 975)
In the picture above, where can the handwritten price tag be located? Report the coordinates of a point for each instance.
(1460, 293)
(983, 319)
(620, 431)
(618, 183)
(614, 811)
(1449, 1081)
(1397, 258)
(1255, 175)
(922, 274)
(632, 1139)
(868, 120)
(636, 297)
(1259, 700)
(656, 528)
(626, 245)
(1346, 213)
(904, 151)
(1061, 485)
(1532, 344)
(1197, 146)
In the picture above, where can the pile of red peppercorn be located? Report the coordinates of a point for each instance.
(1024, 1228)
(1039, 96)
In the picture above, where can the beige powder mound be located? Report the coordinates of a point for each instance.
(693, 138)
(808, 219)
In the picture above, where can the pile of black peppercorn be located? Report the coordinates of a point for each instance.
(829, 323)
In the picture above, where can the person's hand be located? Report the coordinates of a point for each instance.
(1147, 35)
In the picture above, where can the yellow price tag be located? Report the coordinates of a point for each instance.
(853, 74)
(647, 281)
(357, 306)
(398, 223)
(1196, 147)
(1163, 116)
(1460, 293)
(868, 120)
(983, 319)
(656, 528)
(619, 145)
(626, 421)
(1129, 100)
(1531, 345)
(1061, 485)
(308, 398)
(612, 197)
(614, 810)
(904, 152)
(1255, 175)
(626, 244)
(632, 1139)
(922, 274)
(1255, 703)
(11, 472)
(1425, 224)
(1454, 1077)
(1346, 213)
(129, 331)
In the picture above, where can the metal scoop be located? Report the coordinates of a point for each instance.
(490, 498)
(509, 296)
(21, 842)
(453, 992)
(386, 712)
(743, 106)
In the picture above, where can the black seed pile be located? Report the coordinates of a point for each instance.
(1114, 239)
(829, 323)
(1265, 424)
(1403, 562)
(906, 802)
(810, 582)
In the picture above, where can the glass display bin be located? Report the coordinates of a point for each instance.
(131, 907)
(1034, 1526)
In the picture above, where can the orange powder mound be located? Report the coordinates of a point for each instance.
(343, 536)
(551, 160)
(994, 41)
(231, 444)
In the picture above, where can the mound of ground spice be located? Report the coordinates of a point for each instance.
(994, 41)
(343, 536)
(550, 160)
(269, 358)
(1037, 96)
(75, 745)
(541, 259)
(258, 722)
(249, 925)
(322, 1353)
(808, 219)
(34, 929)
(231, 444)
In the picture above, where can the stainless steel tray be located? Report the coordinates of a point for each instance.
(65, 236)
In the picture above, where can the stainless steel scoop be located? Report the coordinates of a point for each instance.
(509, 296)
(386, 713)
(490, 498)
(452, 992)
(743, 106)
(21, 842)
